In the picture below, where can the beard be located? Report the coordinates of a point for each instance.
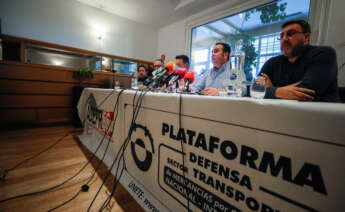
(296, 51)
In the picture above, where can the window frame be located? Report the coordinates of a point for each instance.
(319, 12)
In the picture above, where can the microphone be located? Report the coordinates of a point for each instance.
(179, 74)
(189, 79)
(168, 70)
(154, 76)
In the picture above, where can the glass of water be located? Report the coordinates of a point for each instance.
(117, 85)
(258, 87)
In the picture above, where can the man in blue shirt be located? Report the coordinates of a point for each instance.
(216, 78)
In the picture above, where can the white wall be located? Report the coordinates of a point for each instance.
(71, 23)
(172, 38)
(336, 34)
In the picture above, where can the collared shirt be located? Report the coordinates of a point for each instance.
(214, 78)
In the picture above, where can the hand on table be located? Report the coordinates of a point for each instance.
(294, 93)
(142, 86)
(268, 80)
(210, 92)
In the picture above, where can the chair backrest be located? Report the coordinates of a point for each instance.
(342, 94)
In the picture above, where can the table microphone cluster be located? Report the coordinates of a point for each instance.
(169, 76)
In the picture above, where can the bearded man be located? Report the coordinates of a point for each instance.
(304, 72)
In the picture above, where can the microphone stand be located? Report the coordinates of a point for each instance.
(187, 86)
(176, 86)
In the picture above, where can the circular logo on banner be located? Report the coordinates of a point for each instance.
(233, 76)
(142, 148)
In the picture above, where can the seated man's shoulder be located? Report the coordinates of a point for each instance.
(275, 59)
(321, 50)
(206, 72)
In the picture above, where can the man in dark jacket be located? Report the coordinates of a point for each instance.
(303, 72)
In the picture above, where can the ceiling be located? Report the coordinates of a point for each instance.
(156, 13)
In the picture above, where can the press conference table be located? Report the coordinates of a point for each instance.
(240, 154)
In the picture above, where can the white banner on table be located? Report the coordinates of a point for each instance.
(227, 166)
(232, 168)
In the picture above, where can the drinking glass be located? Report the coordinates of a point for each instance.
(258, 87)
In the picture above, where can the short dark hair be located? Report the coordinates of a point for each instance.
(158, 60)
(226, 47)
(184, 58)
(304, 25)
(139, 66)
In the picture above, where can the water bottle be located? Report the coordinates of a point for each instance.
(117, 85)
(134, 81)
(236, 71)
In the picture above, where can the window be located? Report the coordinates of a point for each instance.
(266, 46)
(201, 60)
(124, 66)
(257, 29)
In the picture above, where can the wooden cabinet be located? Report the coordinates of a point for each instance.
(36, 94)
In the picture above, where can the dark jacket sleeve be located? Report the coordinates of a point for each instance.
(268, 70)
(321, 70)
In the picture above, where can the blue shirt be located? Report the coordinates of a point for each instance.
(214, 78)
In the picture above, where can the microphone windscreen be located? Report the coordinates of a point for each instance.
(159, 70)
(189, 76)
(170, 66)
(181, 72)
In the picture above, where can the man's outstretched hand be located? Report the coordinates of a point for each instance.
(210, 92)
(294, 93)
(268, 80)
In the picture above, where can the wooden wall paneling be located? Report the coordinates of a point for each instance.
(11, 70)
(8, 86)
(54, 115)
(16, 116)
(22, 52)
(91, 85)
(13, 116)
(100, 77)
(35, 73)
(34, 101)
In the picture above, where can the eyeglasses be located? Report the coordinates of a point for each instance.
(157, 66)
(215, 50)
(289, 34)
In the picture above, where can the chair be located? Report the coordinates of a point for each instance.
(342, 94)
